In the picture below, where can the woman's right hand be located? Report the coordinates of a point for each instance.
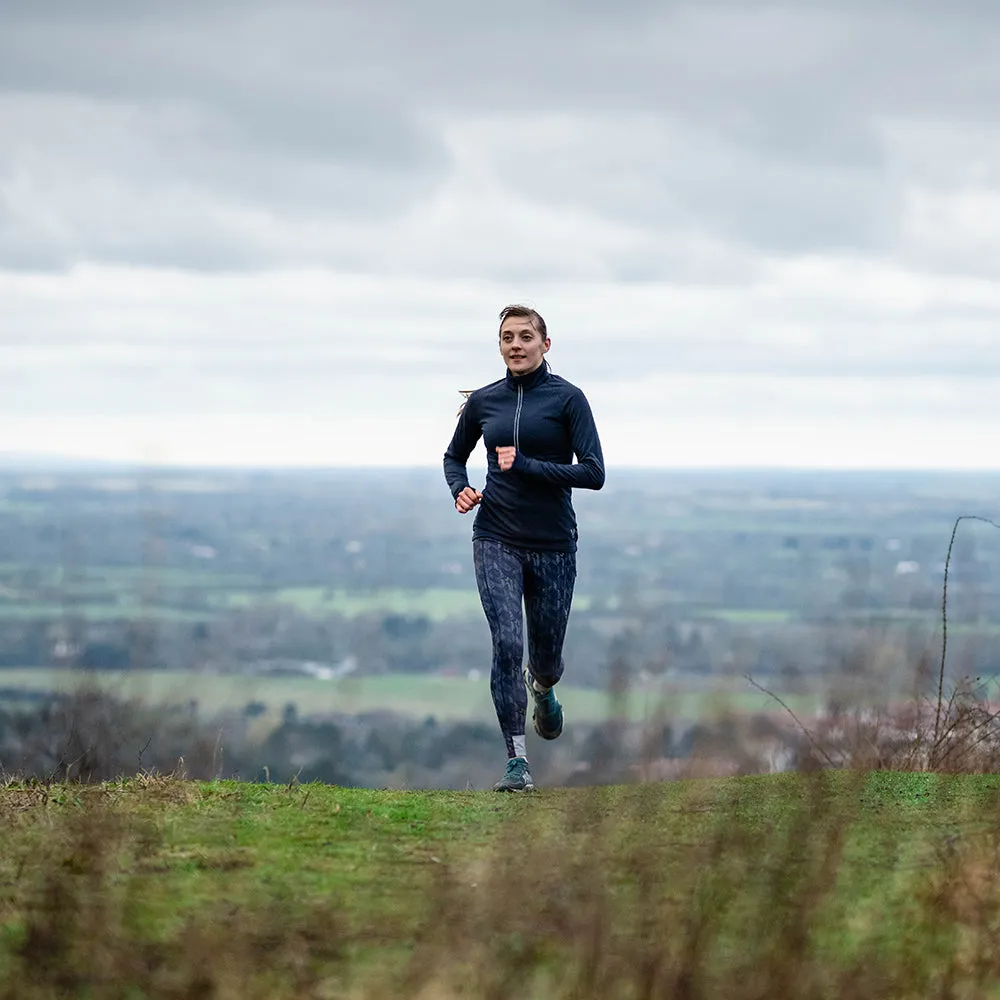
(467, 499)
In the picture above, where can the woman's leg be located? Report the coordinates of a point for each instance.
(500, 577)
(548, 595)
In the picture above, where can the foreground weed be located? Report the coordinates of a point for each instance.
(155, 887)
(820, 885)
(824, 884)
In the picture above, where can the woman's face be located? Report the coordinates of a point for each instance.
(521, 345)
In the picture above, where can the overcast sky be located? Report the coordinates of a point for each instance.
(258, 233)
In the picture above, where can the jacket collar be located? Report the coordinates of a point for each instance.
(529, 381)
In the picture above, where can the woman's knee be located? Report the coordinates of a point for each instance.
(508, 649)
(547, 671)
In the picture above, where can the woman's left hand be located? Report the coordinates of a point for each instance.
(505, 456)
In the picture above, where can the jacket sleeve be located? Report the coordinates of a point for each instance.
(467, 432)
(588, 470)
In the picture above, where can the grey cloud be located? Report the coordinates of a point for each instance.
(804, 62)
(158, 115)
(232, 136)
(241, 82)
(283, 367)
(736, 358)
(116, 183)
(682, 181)
(323, 389)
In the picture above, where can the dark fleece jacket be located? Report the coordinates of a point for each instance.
(548, 421)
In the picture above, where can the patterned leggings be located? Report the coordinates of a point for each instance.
(545, 581)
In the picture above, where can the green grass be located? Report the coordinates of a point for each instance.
(830, 884)
(416, 695)
(363, 859)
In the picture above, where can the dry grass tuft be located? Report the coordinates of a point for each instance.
(605, 901)
(822, 884)
(83, 933)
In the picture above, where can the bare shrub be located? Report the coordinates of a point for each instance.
(92, 736)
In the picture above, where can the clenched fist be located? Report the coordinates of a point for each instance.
(505, 456)
(467, 499)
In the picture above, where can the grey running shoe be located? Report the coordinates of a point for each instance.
(547, 716)
(517, 777)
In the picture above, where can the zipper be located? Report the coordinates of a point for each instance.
(517, 418)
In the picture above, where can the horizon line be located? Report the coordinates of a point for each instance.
(31, 462)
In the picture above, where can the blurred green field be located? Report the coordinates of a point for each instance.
(93, 612)
(752, 616)
(435, 603)
(415, 695)
(187, 595)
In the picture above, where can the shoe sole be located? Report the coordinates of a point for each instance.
(507, 788)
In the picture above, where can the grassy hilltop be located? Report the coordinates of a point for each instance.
(825, 884)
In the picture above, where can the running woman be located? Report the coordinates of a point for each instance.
(524, 537)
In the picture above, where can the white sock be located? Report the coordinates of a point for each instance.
(519, 748)
(538, 687)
